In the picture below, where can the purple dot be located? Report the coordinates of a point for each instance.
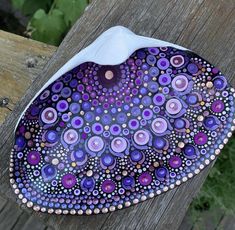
(153, 51)
(51, 136)
(217, 106)
(161, 172)
(33, 157)
(163, 63)
(159, 99)
(128, 182)
(145, 179)
(107, 160)
(190, 151)
(108, 186)
(88, 184)
(68, 180)
(136, 156)
(62, 106)
(200, 138)
(164, 79)
(175, 162)
(192, 68)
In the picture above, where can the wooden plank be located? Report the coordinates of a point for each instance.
(22, 60)
(9, 216)
(190, 23)
(209, 220)
(32, 223)
(227, 223)
(187, 223)
(3, 202)
(27, 222)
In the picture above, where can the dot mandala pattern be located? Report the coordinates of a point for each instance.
(101, 138)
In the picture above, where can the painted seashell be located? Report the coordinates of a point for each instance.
(127, 118)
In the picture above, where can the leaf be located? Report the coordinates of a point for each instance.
(49, 28)
(72, 10)
(31, 6)
(17, 4)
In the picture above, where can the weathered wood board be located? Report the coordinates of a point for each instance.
(205, 26)
(21, 60)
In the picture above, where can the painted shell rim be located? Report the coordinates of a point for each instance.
(143, 197)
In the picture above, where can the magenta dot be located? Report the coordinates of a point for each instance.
(200, 138)
(68, 180)
(145, 179)
(217, 106)
(108, 186)
(175, 162)
(33, 157)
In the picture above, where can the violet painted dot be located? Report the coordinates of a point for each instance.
(128, 182)
(211, 122)
(192, 99)
(70, 136)
(74, 108)
(108, 186)
(57, 87)
(217, 106)
(48, 172)
(180, 82)
(159, 125)
(173, 106)
(95, 143)
(159, 99)
(62, 106)
(200, 138)
(177, 60)
(49, 115)
(164, 79)
(107, 160)
(190, 151)
(88, 184)
(179, 123)
(141, 137)
(161, 172)
(51, 136)
(175, 161)
(159, 143)
(153, 71)
(192, 68)
(77, 122)
(136, 155)
(145, 179)
(97, 128)
(68, 180)
(33, 157)
(119, 144)
(163, 63)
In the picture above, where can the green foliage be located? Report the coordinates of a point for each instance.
(218, 191)
(50, 20)
(71, 15)
(48, 28)
(29, 7)
(17, 4)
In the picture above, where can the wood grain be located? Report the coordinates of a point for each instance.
(204, 26)
(22, 60)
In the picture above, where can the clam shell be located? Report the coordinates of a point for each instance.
(124, 120)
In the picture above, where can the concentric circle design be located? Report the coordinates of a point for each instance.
(101, 138)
